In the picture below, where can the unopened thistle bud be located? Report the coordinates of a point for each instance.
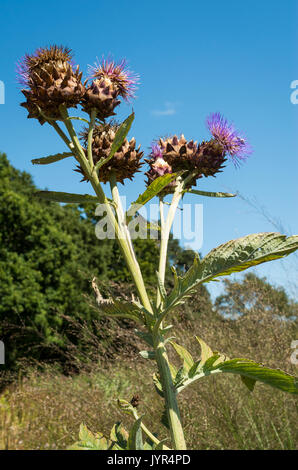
(172, 155)
(158, 167)
(50, 81)
(110, 81)
(125, 162)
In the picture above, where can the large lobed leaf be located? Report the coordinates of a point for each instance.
(233, 256)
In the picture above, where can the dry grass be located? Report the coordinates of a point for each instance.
(43, 410)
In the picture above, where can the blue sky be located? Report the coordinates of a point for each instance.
(193, 58)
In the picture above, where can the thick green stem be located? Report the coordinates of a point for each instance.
(90, 136)
(125, 242)
(170, 394)
(165, 233)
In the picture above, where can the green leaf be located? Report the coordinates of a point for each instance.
(248, 382)
(209, 193)
(233, 256)
(90, 441)
(118, 141)
(121, 309)
(206, 351)
(157, 384)
(181, 376)
(51, 158)
(119, 435)
(249, 371)
(135, 439)
(184, 354)
(256, 371)
(147, 354)
(147, 337)
(153, 190)
(160, 445)
(161, 286)
(66, 197)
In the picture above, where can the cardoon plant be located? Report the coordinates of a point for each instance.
(103, 154)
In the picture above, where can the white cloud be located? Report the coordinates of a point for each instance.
(169, 109)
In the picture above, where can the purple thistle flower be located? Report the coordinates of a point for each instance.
(118, 73)
(156, 151)
(232, 141)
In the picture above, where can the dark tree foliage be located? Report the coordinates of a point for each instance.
(48, 255)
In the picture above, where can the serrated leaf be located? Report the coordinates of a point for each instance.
(119, 435)
(184, 354)
(249, 371)
(161, 286)
(256, 371)
(90, 441)
(209, 364)
(147, 337)
(249, 383)
(233, 256)
(147, 354)
(180, 376)
(66, 197)
(135, 439)
(173, 371)
(209, 193)
(153, 190)
(120, 309)
(157, 385)
(51, 158)
(118, 141)
(206, 351)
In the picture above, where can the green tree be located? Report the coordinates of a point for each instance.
(252, 294)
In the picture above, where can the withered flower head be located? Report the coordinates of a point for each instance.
(50, 80)
(110, 81)
(125, 162)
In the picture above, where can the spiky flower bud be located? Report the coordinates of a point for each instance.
(125, 162)
(210, 158)
(172, 155)
(50, 81)
(110, 81)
